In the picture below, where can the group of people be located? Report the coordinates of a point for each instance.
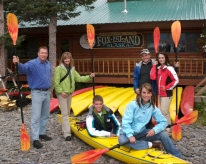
(38, 73)
(161, 75)
(150, 77)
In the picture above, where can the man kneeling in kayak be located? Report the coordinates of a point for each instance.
(101, 121)
(136, 116)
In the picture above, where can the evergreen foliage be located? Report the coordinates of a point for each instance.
(8, 43)
(40, 11)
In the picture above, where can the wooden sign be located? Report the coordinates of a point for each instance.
(119, 40)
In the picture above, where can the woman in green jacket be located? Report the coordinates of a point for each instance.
(64, 80)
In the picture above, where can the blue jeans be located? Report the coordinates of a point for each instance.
(39, 113)
(143, 144)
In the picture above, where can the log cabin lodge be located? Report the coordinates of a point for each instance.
(122, 29)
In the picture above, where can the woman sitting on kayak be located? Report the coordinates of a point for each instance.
(137, 115)
(101, 122)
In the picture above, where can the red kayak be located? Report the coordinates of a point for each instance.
(187, 100)
(16, 94)
(54, 104)
(85, 89)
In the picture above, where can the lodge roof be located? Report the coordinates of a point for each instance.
(138, 11)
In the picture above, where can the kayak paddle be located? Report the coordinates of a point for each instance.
(156, 38)
(92, 155)
(176, 33)
(12, 24)
(189, 118)
(90, 37)
(177, 131)
(186, 120)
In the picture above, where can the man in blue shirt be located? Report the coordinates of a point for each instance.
(38, 73)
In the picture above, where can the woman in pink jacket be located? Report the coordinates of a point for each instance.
(167, 79)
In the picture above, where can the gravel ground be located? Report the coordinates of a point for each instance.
(58, 151)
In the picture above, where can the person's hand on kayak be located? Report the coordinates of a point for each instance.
(112, 135)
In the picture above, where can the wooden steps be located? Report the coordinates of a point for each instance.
(200, 91)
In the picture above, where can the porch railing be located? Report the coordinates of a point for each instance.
(124, 67)
(115, 67)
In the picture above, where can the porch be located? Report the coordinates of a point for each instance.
(120, 71)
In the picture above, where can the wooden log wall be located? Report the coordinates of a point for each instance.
(81, 53)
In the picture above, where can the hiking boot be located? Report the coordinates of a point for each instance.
(45, 137)
(157, 145)
(37, 144)
(68, 138)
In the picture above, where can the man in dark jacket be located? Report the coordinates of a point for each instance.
(142, 71)
(101, 121)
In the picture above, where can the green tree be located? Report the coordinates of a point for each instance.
(2, 56)
(46, 13)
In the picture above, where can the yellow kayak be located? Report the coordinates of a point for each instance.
(172, 108)
(81, 96)
(109, 97)
(83, 104)
(124, 104)
(123, 154)
(115, 103)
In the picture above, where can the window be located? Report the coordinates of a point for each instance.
(187, 42)
(28, 49)
(64, 46)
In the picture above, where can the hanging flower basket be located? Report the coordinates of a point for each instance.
(201, 41)
(204, 48)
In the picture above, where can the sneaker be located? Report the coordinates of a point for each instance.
(45, 137)
(157, 145)
(68, 138)
(37, 144)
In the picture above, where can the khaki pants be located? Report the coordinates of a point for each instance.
(65, 105)
(164, 107)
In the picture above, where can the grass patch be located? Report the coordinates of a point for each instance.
(201, 107)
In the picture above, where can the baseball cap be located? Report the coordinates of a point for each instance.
(144, 51)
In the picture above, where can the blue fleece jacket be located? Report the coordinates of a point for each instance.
(136, 117)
